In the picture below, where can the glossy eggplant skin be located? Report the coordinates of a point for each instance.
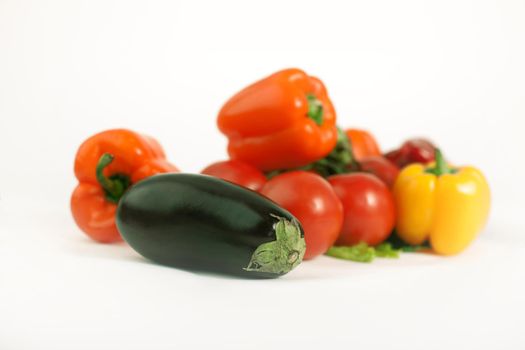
(200, 223)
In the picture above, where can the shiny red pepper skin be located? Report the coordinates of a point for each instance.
(412, 151)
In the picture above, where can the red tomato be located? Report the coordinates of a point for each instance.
(311, 199)
(380, 167)
(369, 211)
(237, 172)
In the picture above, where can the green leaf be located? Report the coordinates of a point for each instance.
(385, 250)
(363, 253)
(360, 252)
(339, 161)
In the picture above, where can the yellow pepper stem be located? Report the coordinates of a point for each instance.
(441, 166)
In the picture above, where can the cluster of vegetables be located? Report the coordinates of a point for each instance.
(296, 186)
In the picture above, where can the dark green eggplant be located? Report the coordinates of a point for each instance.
(201, 223)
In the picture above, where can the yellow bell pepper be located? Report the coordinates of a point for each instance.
(446, 206)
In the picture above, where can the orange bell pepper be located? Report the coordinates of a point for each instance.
(283, 121)
(363, 143)
(106, 164)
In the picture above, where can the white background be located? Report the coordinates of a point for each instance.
(453, 71)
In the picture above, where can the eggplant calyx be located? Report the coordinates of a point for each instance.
(283, 254)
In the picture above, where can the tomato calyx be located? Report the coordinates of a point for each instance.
(115, 185)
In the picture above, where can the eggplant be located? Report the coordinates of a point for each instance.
(202, 223)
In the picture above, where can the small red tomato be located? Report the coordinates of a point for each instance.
(238, 172)
(369, 210)
(380, 167)
(311, 199)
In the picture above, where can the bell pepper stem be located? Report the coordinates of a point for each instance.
(441, 166)
(113, 186)
(315, 109)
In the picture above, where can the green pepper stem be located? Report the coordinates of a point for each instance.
(315, 109)
(114, 186)
(441, 166)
